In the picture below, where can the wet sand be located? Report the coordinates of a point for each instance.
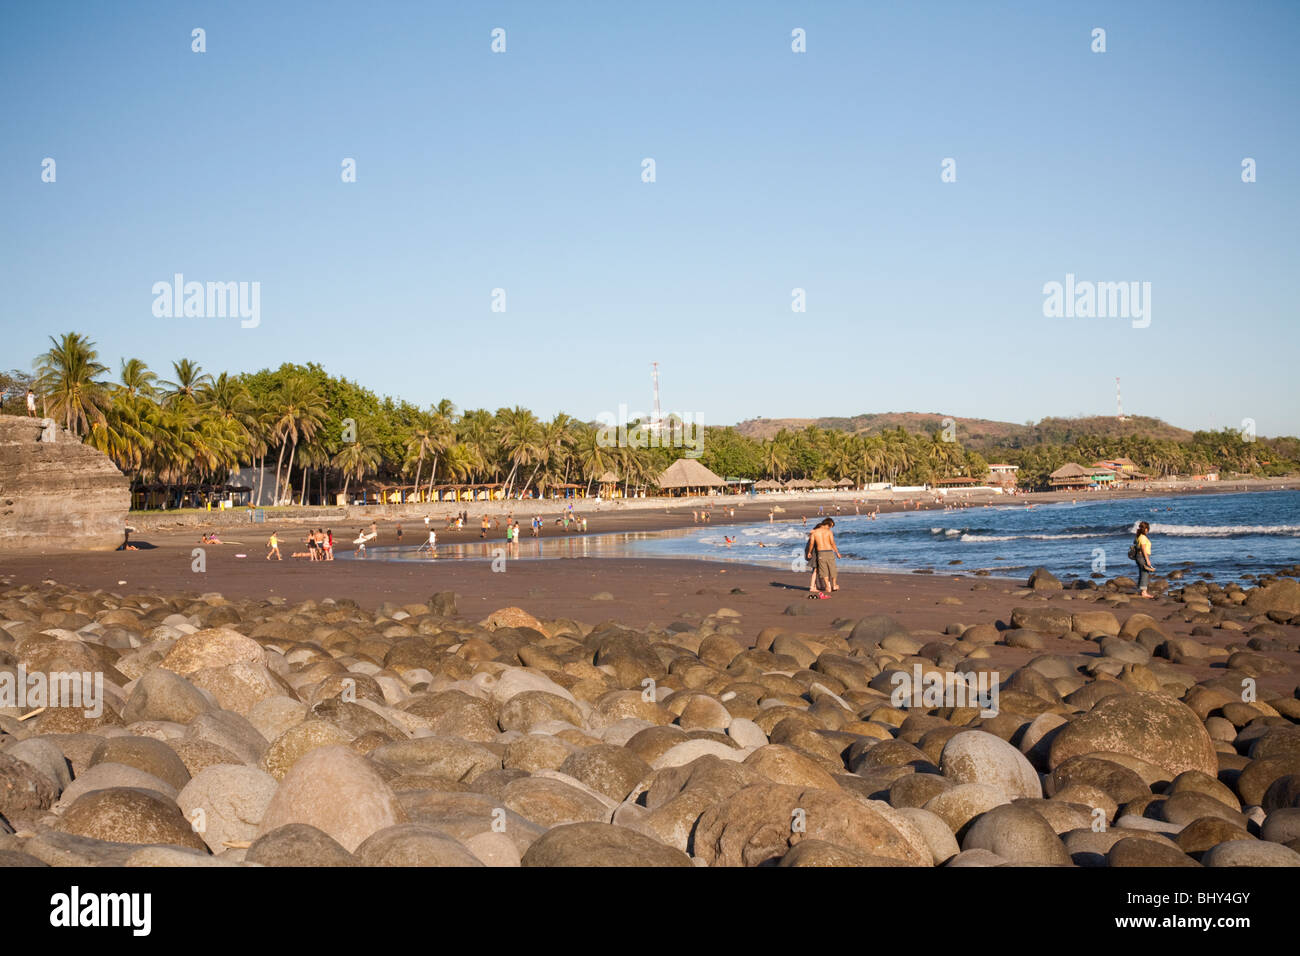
(639, 592)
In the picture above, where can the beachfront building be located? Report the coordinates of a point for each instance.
(493, 491)
(1073, 476)
(1003, 475)
(686, 476)
(608, 486)
(1123, 469)
(1070, 475)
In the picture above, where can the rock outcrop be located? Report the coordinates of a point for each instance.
(59, 493)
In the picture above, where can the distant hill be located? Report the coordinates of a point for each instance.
(977, 433)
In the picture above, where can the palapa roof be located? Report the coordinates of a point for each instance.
(1071, 470)
(844, 483)
(608, 478)
(689, 473)
(825, 483)
(767, 483)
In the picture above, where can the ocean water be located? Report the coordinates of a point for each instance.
(1226, 535)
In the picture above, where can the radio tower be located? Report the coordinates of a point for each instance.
(656, 421)
(1119, 402)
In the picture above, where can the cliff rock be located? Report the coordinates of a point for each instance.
(57, 494)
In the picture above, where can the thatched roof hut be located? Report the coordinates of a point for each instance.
(687, 473)
(1070, 475)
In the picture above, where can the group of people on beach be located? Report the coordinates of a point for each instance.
(320, 543)
(320, 546)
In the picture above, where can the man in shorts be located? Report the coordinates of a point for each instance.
(823, 552)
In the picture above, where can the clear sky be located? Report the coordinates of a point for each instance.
(774, 170)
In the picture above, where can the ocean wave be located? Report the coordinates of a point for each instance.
(1223, 531)
(1034, 537)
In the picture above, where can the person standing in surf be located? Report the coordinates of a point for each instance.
(1141, 553)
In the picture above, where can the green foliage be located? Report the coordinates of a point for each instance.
(322, 434)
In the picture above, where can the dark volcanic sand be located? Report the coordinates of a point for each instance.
(645, 592)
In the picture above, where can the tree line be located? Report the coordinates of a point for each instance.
(312, 435)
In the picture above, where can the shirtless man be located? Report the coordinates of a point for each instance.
(823, 552)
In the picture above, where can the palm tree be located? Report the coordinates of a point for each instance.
(118, 434)
(841, 455)
(174, 443)
(66, 378)
(137, 379)
(520, 437)
(553, 440)
(190, 379)
(593, 458)
(776, 458)
(636, 466)
(476, 430)
(217, 444)
(314, 454)
(354, 460)
(229, 400)
(460, 462)
(300, 411)
(421, 442)
(123, 433)
(442, 431)
(872, 454)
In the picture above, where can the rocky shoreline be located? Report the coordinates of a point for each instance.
(238, 732)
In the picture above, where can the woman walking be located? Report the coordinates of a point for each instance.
(1141, 553)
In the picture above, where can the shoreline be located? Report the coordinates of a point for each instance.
(605, 517)
(167, 555)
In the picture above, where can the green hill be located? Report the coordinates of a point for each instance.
(980, 434)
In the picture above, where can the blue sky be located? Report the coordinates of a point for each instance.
(774, 170)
